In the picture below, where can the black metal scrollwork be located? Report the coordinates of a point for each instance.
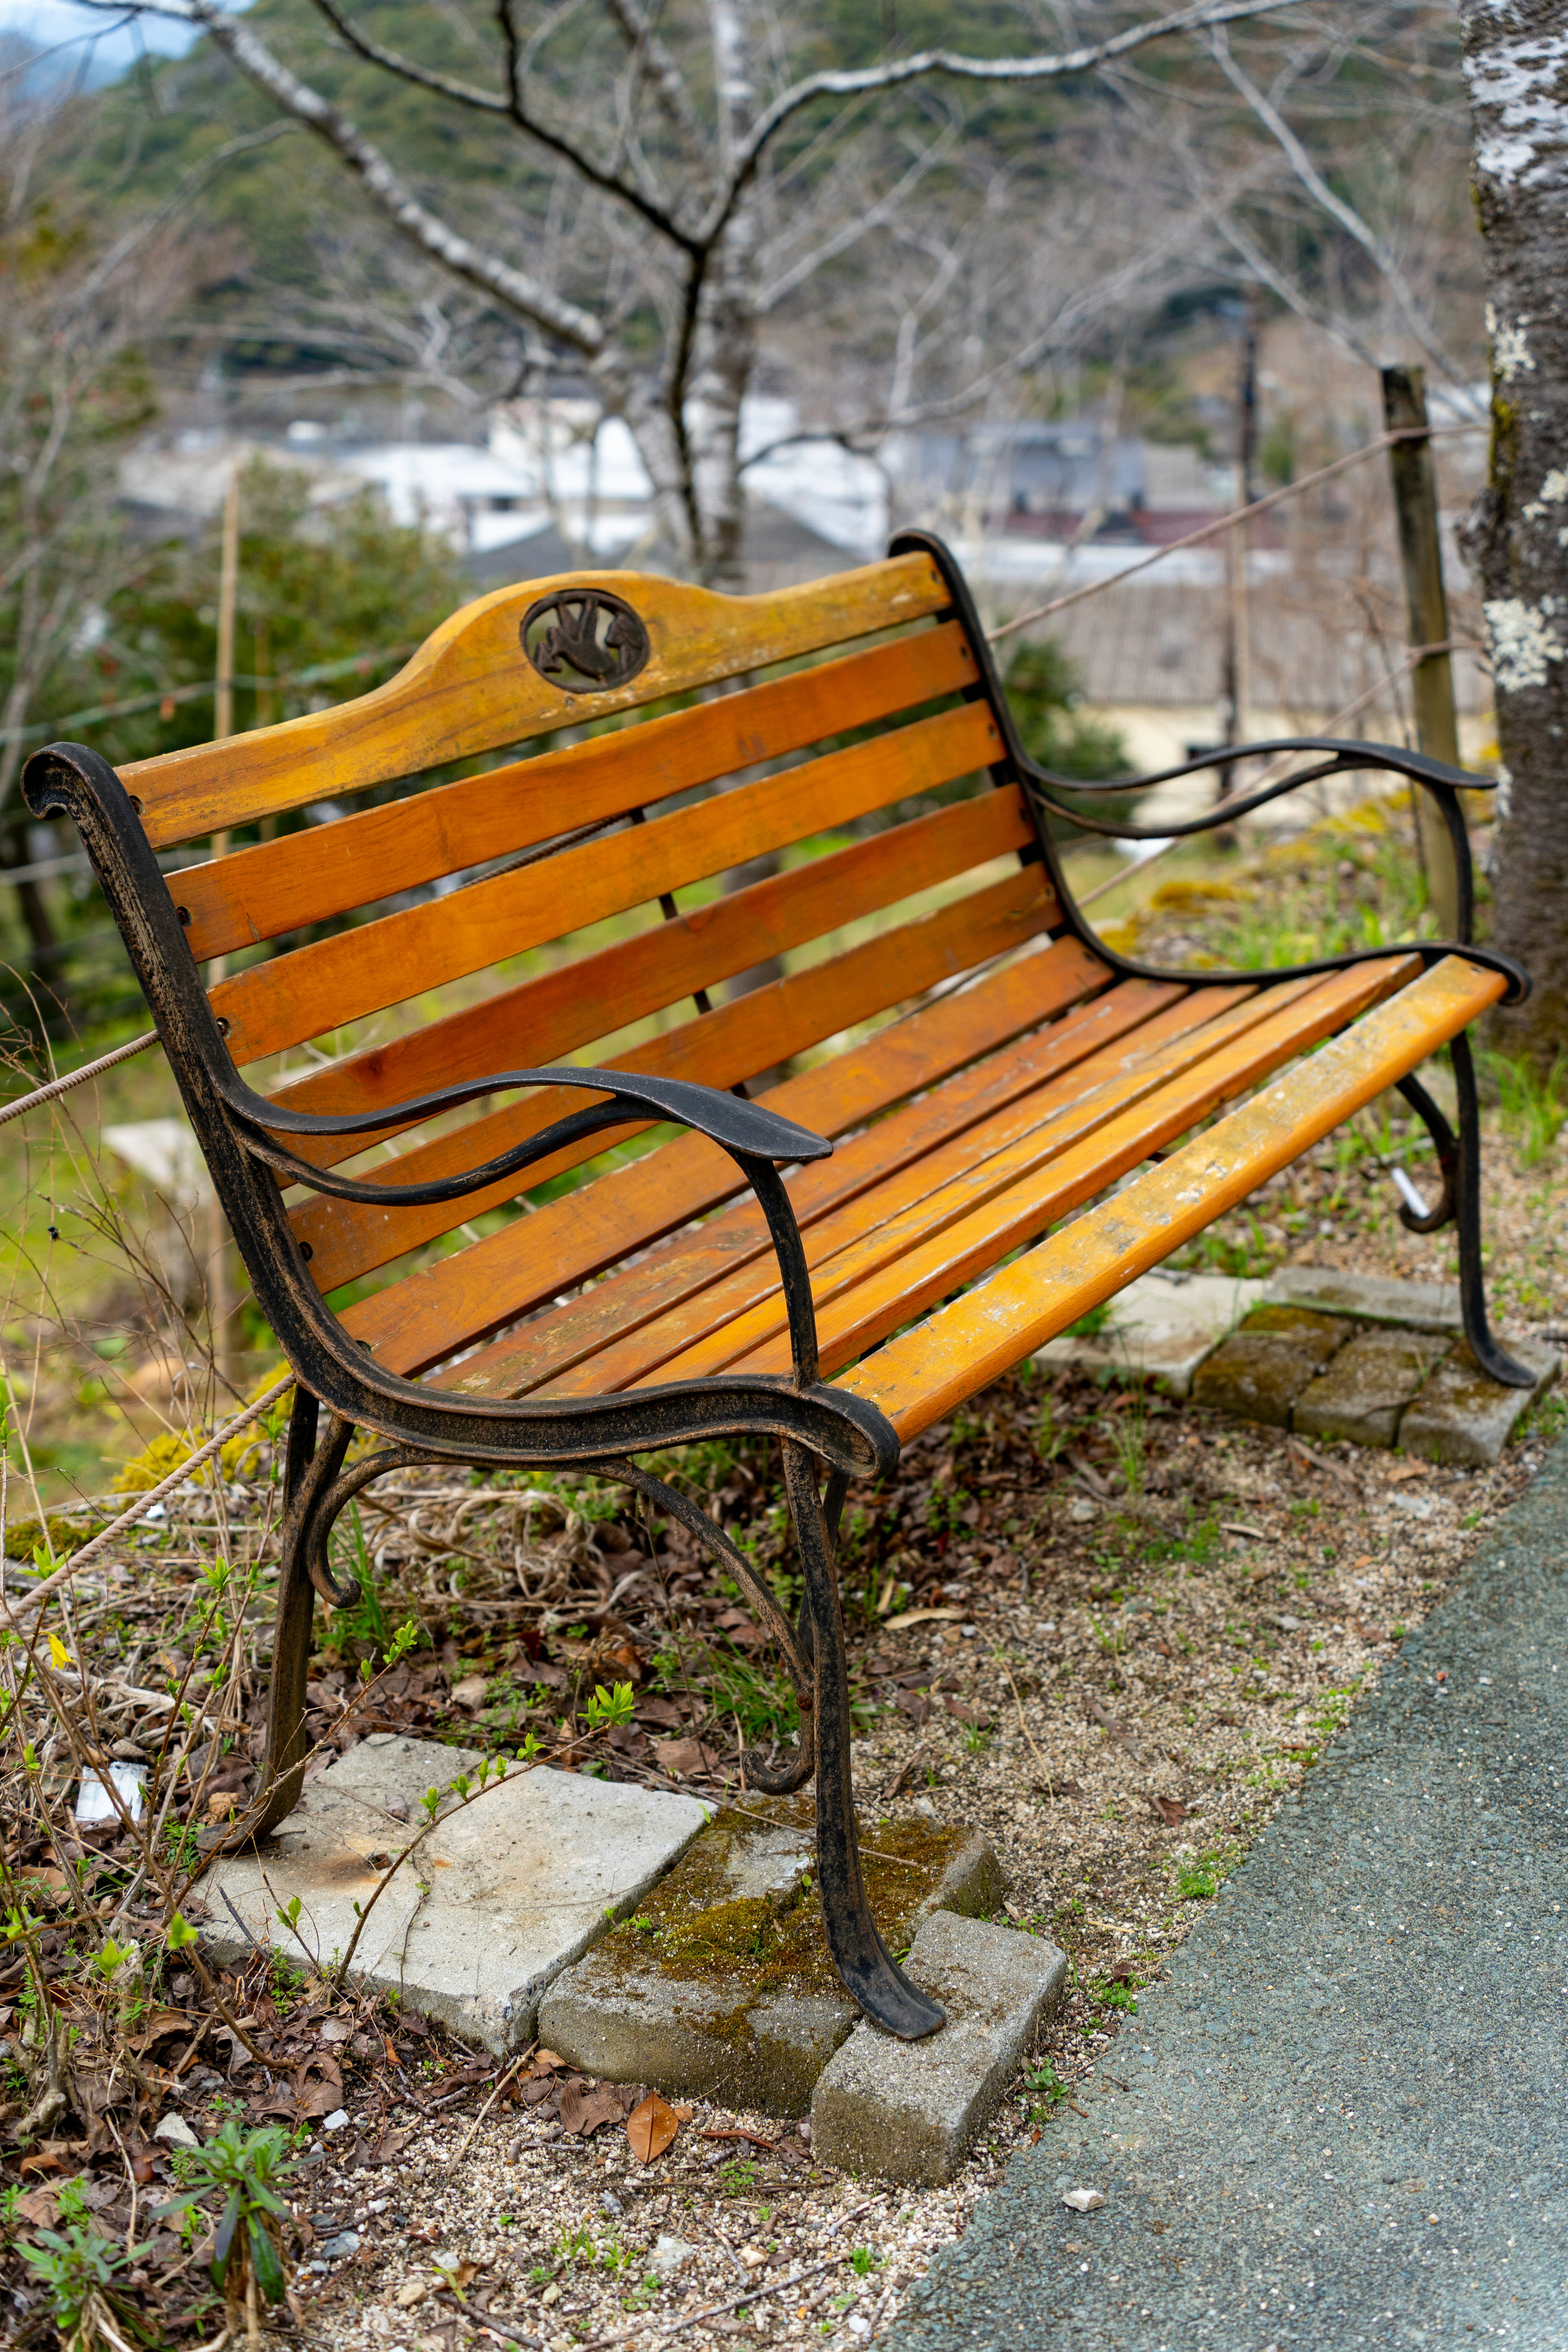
(585, 637)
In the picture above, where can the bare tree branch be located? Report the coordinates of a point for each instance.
(514, 288)
(669, 83)
(1048, 67)
(509, 108)
(1349, 219)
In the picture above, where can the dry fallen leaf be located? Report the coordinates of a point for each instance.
(1171, 1810)
(651, 2128)
(682, 1757)
(544, 2059)
(583, 2110)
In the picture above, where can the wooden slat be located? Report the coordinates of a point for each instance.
(288, 999)
(547, 1018)
(307, 878)
(957, 1174)
(900, 1285)
(470, 687)
(615, 1311)
(928, 1372)
(717, 1049)
(431, 1314)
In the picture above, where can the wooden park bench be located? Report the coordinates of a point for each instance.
(828, 797)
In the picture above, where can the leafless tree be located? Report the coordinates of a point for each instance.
(674, 183)
(81, 308)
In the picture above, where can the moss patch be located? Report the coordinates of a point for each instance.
(694, 1929)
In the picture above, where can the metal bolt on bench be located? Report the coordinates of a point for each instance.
(997, 1069)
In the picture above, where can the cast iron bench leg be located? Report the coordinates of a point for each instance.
(862, 1959)
(308, 1473)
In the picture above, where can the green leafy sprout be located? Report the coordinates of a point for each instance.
(245, 2168)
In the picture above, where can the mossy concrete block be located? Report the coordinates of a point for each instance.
(910, 2111)
(1363, 1394)
(1461, 1416)
(1259, 1372)
(722, 1986)
(501, 1894)
(1368, 1298)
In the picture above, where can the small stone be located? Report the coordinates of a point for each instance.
(1261, 1370)
(336, 2120)
(1461, 1416)
(411, 2292)
(177, 2132)
(1081, 1509)
(668, 2256)
(347, 2242)
(1363, 1393)
(910, 2110)
(1083, 2201)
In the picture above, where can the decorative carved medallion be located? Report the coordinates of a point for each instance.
(584, 637)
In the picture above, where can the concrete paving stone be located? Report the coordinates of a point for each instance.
(910, 2111)
(1259, 1372)
(502, 1895)
(1363, 1394)
(1160, 1329)
(1369, 1298)
(721, 1987)
(1461, 1416)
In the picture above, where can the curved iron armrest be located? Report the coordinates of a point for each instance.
(1335, 755)
(754, 1137)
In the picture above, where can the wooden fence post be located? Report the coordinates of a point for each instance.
(1426, 623)
(222, 1303)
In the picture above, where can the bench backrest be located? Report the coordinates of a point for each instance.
(528, 913)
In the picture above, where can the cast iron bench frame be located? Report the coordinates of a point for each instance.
(249, 1145)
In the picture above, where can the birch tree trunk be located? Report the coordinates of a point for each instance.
(1516, 65)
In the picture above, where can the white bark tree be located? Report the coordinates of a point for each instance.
(691, 185)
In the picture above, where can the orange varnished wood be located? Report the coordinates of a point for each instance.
(1036, 1085)
(957, 1175)
(544, 1019)
(469, 688)
(282, 885)
(876, 1290)
(287, 998)
(351, 1238)
(619, 1309)
(927, 1371)
(428, 1315)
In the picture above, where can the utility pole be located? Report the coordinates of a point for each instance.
(1426, 623)
(221, 1300)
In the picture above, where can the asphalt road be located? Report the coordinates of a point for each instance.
(1341, 2120)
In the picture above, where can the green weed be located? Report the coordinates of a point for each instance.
(1535, 1102)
